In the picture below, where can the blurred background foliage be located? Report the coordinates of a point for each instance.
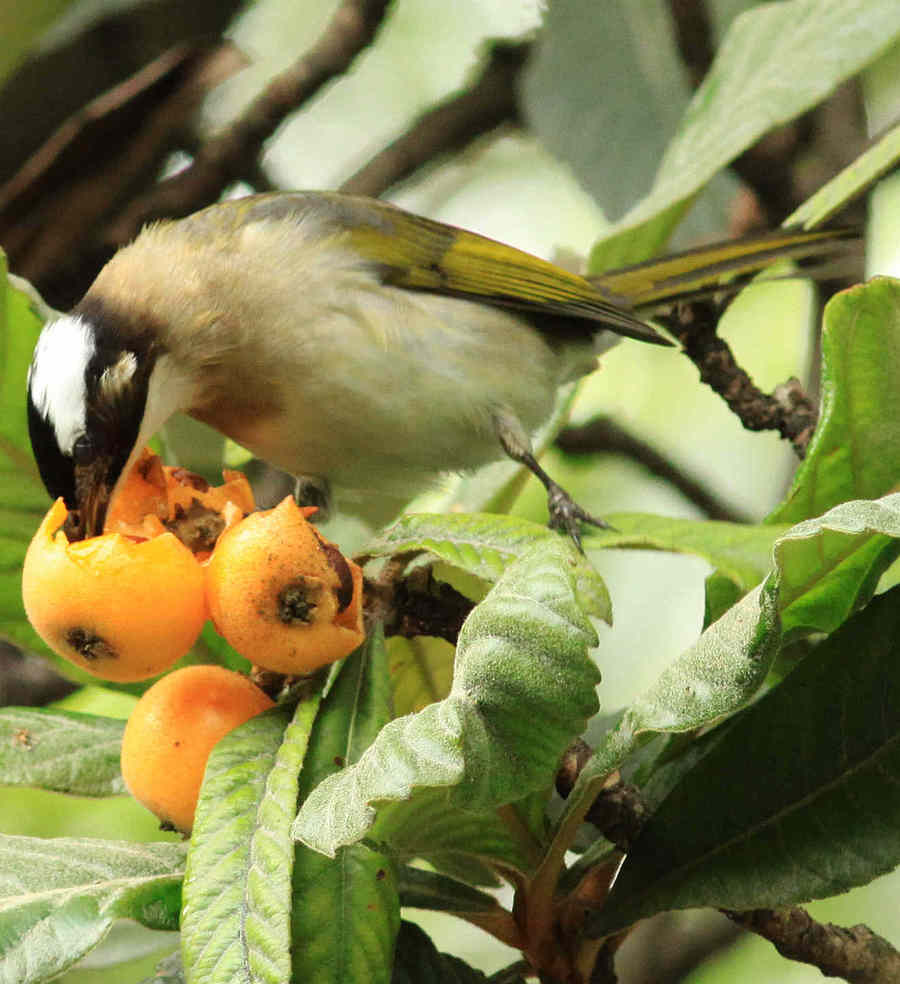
(600, 98)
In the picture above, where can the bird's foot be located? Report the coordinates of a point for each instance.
(567, 516)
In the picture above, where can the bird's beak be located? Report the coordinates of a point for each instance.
(93, 490)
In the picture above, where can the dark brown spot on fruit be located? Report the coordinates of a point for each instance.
(90, 646)
(297, 601)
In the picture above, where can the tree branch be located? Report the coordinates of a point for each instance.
(618, 812)
(768, 167)
(787, 410)
(51, 208)
(451, 125)
(666, 948)
(856, 954)
(693, 35)
(29, 680)
(416, 603)
(56, 81)
(604, 436)
(230, 155)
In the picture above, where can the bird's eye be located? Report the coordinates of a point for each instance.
(84, 450)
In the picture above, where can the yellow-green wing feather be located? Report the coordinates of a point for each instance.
(424, 255)
(689, 273)
(421, 254)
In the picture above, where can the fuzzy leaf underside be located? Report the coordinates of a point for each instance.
(236, 921)
(522, 657)
(825, 814)
(59, 897)
(61, 750)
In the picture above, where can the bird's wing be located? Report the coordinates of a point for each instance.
(419, 254)
(729, 264)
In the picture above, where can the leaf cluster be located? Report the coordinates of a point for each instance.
(421, 775)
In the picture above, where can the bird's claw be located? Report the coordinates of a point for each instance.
(566, 515)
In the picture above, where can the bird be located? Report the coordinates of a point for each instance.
(342, 339)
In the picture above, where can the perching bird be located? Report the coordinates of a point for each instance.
(338, 338)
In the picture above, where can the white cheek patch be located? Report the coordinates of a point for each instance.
(56, 379)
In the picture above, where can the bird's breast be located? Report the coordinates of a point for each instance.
(386, 389)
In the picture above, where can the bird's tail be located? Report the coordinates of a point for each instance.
(727, 266)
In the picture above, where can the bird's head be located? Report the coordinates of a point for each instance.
(96, 395)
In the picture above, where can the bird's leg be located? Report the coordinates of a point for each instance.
(565, 513)
(312, 491)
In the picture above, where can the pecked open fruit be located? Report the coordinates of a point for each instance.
(282, 595)
(120, 608)
(158, 497)
(128, 604)
(172, 730)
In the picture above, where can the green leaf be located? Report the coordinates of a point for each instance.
(357, 706)
(210, 647)
(22, 27)
(676, 756)
(824, 569)
(23, 500)
(421, 671)
(874, 163)
(740, 552)
(604, 91)
(59, 897)
(61, 750)
(418, 961)
(628, 244)
(237, 889)
(855, 451)
(720, 594)
(776, 61)
(522, 658)
(467, 845)
(485, 544)
(421, 889)
(346, 915)
(799, 800)
(717, 675)
(346, 909)
(829, 567)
